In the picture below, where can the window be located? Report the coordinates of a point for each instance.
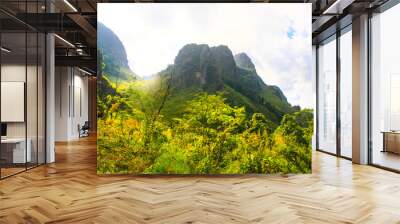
(346, 93)
(327, 96)
(385, 89)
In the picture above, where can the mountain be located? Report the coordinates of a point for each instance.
(198, 67)
(112, 55)
(243, 61)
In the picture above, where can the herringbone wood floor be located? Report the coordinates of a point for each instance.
(69, 191)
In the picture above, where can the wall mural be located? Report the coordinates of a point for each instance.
(204, 88)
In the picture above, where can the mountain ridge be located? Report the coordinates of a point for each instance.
(216, 69)
(200, 68)
(112, 53)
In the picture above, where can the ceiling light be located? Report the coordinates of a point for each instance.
(5, 50)
(338, 6)
(79, 51)
(65, 41)
(70, 5)
(84, 71)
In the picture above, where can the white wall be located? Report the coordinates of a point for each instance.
(16, 73)
(62, 82)
(71, 102)
(80, 109)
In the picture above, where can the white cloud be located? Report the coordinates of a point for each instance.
(276, 36)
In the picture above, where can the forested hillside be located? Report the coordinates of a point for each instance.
(112, 52)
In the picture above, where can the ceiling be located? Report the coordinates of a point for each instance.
(75, 21)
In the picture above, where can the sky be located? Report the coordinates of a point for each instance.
(277, 37)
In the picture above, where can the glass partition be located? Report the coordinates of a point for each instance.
(41, 97)
(13, 94)
(31, 97)
(22, 77)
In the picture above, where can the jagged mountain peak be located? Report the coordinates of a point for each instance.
(202, 52)
(243, 61)
(216, 69)
(204, 66)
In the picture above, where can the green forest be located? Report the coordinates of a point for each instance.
(208, 113)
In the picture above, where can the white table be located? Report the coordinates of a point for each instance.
(18, 144)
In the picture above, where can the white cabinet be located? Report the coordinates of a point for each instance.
(19, 155)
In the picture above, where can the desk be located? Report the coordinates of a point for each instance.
(391, 141)
(13, 150)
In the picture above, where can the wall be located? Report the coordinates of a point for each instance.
(17, 73)
(92, 98)
(62, 82)
(71, 102)
(12, 73)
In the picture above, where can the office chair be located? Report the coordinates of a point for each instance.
(84, 130)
